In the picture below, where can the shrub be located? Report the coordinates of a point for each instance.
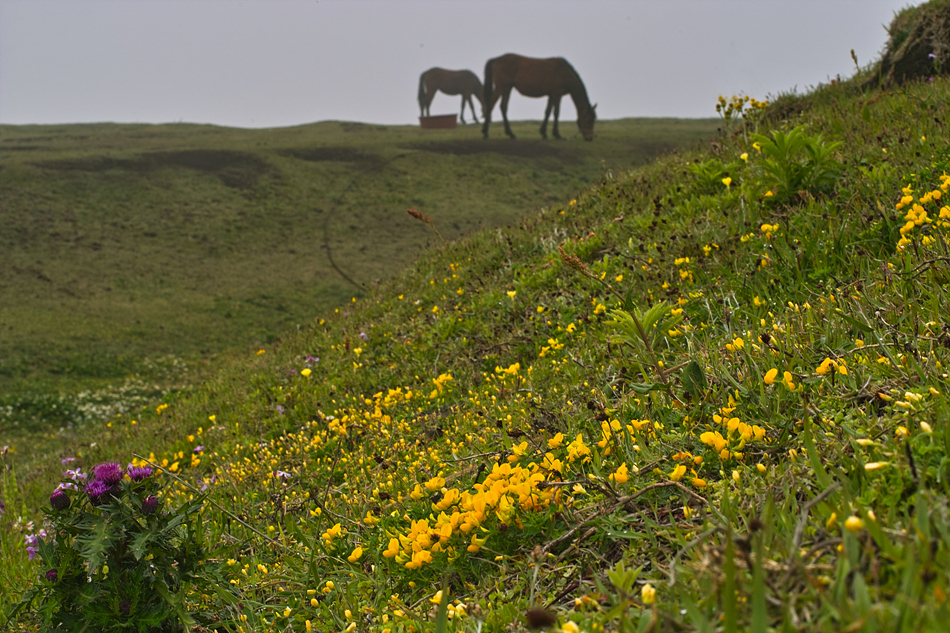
(114, 558)
(794, 162)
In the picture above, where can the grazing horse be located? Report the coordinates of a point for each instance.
(451, 82)
(551, 78)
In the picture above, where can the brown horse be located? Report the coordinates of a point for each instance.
(551, 78)
(451, 82)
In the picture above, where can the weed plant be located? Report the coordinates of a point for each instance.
(114, 558)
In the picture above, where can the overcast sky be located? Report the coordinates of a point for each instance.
(254, 63)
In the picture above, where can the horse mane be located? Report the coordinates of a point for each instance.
(580, 88)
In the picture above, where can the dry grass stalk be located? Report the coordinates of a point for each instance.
(422, 217)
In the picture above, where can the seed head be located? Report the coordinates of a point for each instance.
(422, 217)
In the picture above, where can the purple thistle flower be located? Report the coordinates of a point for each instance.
(59, 500)
(139, 473)
(149, 506)
(110, 473)
(3, 509)
(98, 490)
(52, 575)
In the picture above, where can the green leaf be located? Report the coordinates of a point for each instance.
(643, 388)
(864, 327)
(759, 623)
(94, 541)
(824, 479)
(140, 543)
(729, 605)
(623, 578)
(694, 380)
(653, 315)
(700, 622)
(442, 616)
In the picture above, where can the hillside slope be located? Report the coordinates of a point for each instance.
(135, 255)
(706, 394)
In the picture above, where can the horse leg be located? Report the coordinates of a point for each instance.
(426, 103)
(471, 107)
(462, 116)
(557, 113)
(487, 113)
(547, 113)
(504, 112)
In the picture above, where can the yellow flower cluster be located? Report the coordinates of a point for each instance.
(735, 106)
(440, 383)
(917, 216)
(735, 345)
(737, 434)
(685, 273)
(830, 366)
(510, 371)
(462, 513)
(787, 378)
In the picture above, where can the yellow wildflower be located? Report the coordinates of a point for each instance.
(621, 475)
(854, 524)
(648, 594)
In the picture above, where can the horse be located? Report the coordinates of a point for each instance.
(451, 82)
(552, 78)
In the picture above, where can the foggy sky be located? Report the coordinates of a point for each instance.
(253, 63)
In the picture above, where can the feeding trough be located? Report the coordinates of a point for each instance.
(438, 122)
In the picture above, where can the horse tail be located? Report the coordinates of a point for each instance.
(422, 90)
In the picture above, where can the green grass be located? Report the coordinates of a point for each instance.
(142, 254)
(708, 393)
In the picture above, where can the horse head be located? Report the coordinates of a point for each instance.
(585, 122)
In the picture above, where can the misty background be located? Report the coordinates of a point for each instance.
(251, 63)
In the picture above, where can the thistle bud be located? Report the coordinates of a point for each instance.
(149, 506)
(59, 500)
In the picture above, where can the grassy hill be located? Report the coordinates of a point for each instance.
(708, 393)
(135, 255)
